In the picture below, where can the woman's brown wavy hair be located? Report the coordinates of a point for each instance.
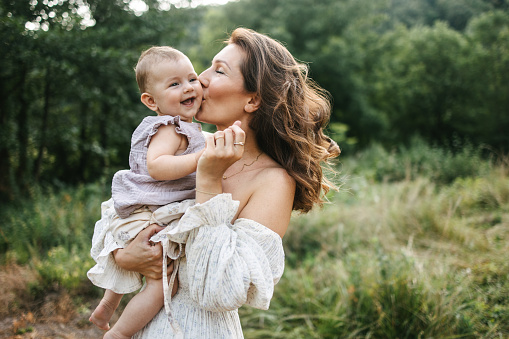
(292, 115)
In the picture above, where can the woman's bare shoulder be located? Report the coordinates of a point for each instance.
(272, 198)
(276, 175)
(267, 173)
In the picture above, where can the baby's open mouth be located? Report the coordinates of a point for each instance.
(188, 102)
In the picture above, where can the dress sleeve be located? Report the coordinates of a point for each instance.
(230, 265)
(106, 273)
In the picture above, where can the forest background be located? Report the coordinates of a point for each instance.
(415, 244)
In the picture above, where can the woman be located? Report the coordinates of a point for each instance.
(263, 162)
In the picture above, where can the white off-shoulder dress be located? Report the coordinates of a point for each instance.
(223, 267)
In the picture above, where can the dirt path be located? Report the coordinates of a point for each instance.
(72, 330)
(76, 329)
(50, 325)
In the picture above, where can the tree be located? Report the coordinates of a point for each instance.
(419, 83)
(489, 36)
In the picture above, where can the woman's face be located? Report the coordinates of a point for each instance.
(224, 96)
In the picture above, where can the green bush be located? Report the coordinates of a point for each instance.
(441, 165)
(64, 269)
(51, 219)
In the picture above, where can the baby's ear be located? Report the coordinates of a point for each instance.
(253, 104)
(149, 101)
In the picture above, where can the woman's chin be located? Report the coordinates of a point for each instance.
(202, 116)
(198, 117)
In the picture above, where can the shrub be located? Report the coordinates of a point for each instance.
(49, 219)
(442, 165)
(64, 269)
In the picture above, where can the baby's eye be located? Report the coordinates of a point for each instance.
(174, 84)
(193, 79)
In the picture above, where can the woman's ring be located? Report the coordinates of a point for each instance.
(240, 143)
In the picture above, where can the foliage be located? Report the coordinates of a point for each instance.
(439, 164)
(419, 84)
(63, 269)
(382, 296)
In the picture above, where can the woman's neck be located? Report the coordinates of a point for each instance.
(250, 145)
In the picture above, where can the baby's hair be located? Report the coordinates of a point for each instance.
(149, 59)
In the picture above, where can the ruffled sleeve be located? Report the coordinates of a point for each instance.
(230, 265)
(157, 121)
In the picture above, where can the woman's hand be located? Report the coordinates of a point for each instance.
(223, 149)
(143, 256)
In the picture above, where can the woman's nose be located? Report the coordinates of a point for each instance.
(204, 78)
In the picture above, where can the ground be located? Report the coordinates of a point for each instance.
(56, 319)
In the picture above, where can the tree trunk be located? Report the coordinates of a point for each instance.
(44, 125)
(22, 132)
(5, 162)
(103, 133)
(84, 143)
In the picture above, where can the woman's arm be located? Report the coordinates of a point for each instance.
(162, 161)
(272, 191)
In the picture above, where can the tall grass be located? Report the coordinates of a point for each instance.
(415, 245)
(50, 234)
(50, 219)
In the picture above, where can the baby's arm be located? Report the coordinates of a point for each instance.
(162, 162)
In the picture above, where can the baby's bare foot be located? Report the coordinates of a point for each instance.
(102, 315)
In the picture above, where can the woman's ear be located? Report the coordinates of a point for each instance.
(253, 104)
(149, 101)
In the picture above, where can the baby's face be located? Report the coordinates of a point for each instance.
(176, 89)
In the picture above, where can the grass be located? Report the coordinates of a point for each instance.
(406, 249)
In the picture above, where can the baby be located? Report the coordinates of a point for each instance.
(163, 160)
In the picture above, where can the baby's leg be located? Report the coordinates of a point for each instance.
(139, 311)
(175, 286)
(103, 312)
